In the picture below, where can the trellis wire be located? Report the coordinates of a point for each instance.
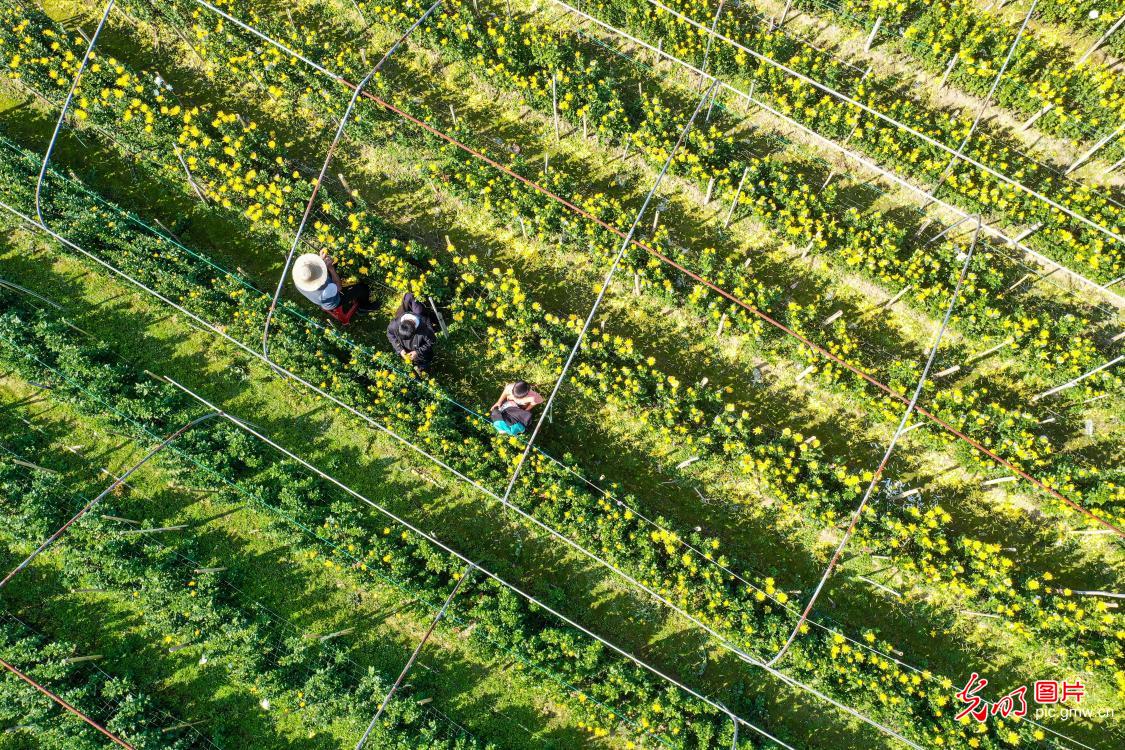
(601, 293)
(417, 650)
(390, 580)
(886, 456)
(324, 170)
(436, 542)
(114, 485)
(888, 119)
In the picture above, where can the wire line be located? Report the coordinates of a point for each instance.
(886, 456)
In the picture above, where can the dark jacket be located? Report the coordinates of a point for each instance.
(422, 341)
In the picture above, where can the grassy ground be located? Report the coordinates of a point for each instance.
(304, 595)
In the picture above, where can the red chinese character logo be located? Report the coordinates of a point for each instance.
(977, 707)
(1007, 705)
(1075, 690)
(1046, 691)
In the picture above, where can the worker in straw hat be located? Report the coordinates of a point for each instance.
(315, 277)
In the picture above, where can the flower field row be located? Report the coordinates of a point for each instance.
(1061, 237)
(968, 548)
(352, 542)
(1073, 351)
(372, 385)
(23, 710)
(1088, 100)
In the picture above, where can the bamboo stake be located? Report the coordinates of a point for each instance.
(1094, 149)
(154, 531)
(878, 585)
(1083, 376)
(737, 195)
(874, 31)
(999, 480)
(785, 13)
(948, 70)
(1101, 40)
(1031, 121)
(555, 102)
(996, 348)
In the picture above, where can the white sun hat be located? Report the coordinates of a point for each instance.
(309, 272)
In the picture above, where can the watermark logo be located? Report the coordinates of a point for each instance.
(1050, 695)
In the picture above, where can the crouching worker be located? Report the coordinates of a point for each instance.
(412, 334)
(511, 414)
(315, 277)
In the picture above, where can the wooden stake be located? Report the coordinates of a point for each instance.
(118, 518)
(1114, 166)
(454, 115)
(710, 187)
(80, 659)
(877, 585)
(154, 531)
(337, 634)
(1019, 281)
(897, 297)
(785, 13)
(996, 348)
(1027, 233)
(999, 480)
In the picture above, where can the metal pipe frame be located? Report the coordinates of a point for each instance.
(324, 171)
(886, 456)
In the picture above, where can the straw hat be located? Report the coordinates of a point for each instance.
(309, 272)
